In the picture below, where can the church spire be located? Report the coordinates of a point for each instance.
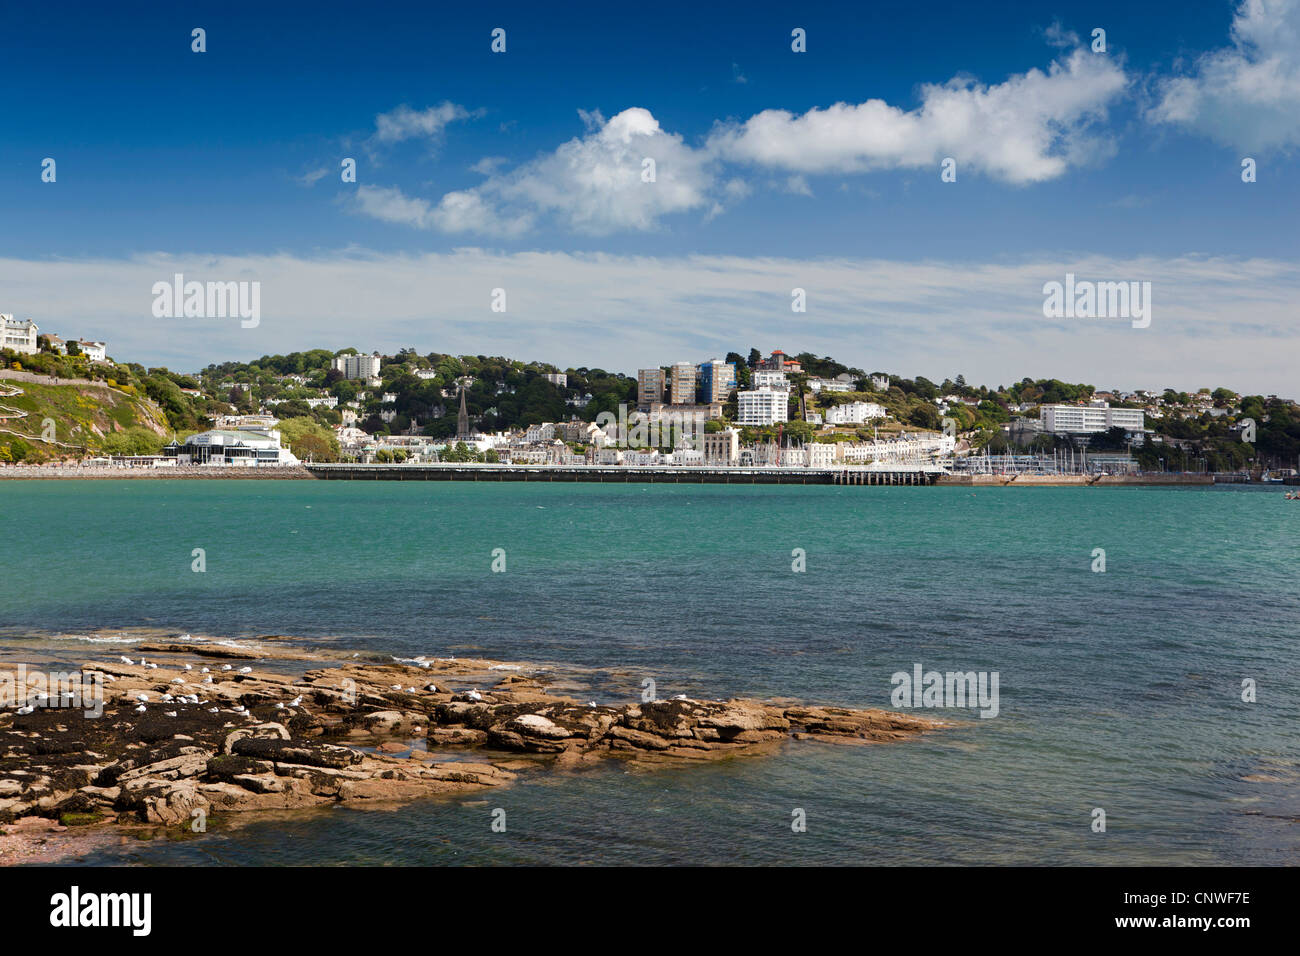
(462, 420)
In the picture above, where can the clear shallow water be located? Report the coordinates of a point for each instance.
(1118, 690)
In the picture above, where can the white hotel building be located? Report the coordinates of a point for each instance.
(762, 406)
(19, 336)
(853, 413)
(1086, 419)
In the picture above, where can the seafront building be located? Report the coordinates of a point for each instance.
(1093, 417)
(716, 380)
(681, 385)
(234, 446)
(649, 388)
(762, 406)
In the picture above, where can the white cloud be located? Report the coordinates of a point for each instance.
(404, 123)
(1030, 128)
(1246, 95)
(1216, 320)
(388, 204)
(592, 184)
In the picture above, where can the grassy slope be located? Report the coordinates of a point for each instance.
(82, 413)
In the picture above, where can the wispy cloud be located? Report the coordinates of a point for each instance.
(1216, 320)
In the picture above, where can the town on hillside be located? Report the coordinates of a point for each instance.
(740, 411)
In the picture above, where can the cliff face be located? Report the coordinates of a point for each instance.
(41, 420)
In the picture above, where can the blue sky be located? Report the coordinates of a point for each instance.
(227, 164)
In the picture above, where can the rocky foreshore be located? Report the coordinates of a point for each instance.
(195, 729)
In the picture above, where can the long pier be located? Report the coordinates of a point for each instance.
(684, 474)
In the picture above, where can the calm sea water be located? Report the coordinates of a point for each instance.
(1119, 690)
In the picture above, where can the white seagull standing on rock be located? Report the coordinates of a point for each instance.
(474, 695)
(245, 670)
(127, 660)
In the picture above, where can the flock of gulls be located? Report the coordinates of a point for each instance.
(143, 699)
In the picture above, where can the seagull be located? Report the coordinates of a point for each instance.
(213, 710)
(142, 697)
(432, 689)
(410, 690)
(167, 698)
(24, 711)
(245, 670)
(397, 687)
(226, 667)
(204, 671)
(140, 709)
(207, 680)
(188, 667)
(474, 695)
(169, 713)
(178, 680)
(152, 667)
(591, 703)
(279, 706)
(296, 701)
(680, 697)
(127, 660)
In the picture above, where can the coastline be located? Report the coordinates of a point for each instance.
(191, 729)
(597, 474)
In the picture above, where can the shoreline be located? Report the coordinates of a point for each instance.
(193, 728)
(602, 475)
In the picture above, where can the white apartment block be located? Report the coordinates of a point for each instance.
(558, 379)
(19, 336)
(761, 406)
(1084, 419)
(358, 366)
(769, 378)
(853, 413)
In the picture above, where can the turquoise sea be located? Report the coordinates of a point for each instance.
(1119, 690)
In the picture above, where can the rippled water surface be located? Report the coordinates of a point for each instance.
(1120, 690)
